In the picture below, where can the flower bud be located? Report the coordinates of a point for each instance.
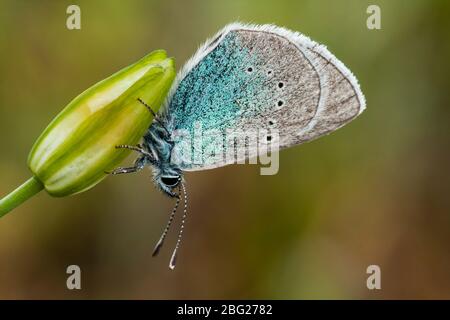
(75, 150)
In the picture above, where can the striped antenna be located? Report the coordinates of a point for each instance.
(164, 234)
(173, 259)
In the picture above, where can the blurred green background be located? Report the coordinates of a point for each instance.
(374, 192)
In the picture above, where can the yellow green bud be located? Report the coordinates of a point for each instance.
(78, 146)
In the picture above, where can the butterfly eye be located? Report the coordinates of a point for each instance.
(280, 85)
(170, 181)
(280, 103)
(250, 69)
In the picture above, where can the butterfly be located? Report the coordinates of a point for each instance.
(248, 77)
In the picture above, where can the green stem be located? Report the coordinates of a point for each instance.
(20, 195)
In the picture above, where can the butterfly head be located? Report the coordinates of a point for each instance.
(168, 180)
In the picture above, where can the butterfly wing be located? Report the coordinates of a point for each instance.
(258, 78)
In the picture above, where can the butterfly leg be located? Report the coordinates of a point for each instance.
(145, 158)
(137, 148)
(155, 116)
(121, 170)
(139, 164)
(148, 107)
